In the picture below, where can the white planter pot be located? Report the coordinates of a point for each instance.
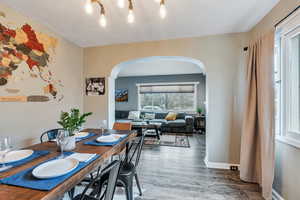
(70, 143)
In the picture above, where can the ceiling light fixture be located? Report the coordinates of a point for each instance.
(121, 3)
(163, 9)
(130, 17)
(102, 19)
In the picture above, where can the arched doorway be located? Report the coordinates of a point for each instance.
(121, 66)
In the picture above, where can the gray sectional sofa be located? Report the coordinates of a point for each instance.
(184, 123)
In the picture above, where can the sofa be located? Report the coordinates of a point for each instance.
(184, 123)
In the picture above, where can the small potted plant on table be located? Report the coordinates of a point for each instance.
(71, 123)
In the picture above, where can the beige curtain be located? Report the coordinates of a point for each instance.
(258, 132)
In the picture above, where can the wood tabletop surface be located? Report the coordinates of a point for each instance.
(19, 193)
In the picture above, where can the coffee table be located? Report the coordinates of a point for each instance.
(144, 126)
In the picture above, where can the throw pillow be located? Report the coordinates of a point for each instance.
(171, 116)
(134, 115)
(150, 116)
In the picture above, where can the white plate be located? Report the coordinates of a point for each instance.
(17, 155)
(107, 138)
(81, 134)
(55, 168)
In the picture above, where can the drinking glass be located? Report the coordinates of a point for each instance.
(103, 125)
(61, 141)
(5, 148)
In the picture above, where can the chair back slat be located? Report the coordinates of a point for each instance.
(113, 169)
(137, 150)
(51, 134)
(122, 126)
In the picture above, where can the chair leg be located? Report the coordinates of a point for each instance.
(71, 193)
(128, 189)
(138, 184)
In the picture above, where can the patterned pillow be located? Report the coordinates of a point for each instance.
(171, 116)
(134, 115)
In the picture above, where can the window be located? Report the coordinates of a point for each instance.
(167, 97)
(287, 80)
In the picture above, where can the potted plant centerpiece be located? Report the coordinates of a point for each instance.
(71, 123)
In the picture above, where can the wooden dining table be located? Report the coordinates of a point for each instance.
(8, 192)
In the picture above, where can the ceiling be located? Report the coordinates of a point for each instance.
(185, 18)
(159, 67)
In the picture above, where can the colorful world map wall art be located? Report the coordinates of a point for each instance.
(25, 58)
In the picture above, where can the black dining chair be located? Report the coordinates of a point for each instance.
(49, 135)
(128, 170)
(93, 190)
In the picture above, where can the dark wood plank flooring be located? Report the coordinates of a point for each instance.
(174, 173)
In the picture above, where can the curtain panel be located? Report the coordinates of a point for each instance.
(258, 131)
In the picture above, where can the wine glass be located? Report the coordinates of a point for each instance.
(103, 125)
(61, 141)
(5, 148)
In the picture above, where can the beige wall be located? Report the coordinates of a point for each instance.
(287, 176)
(26, 121)
(220, 54)
(282, 9)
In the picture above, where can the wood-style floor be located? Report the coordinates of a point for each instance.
(174, 173)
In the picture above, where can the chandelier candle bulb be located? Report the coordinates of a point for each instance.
(162, 9)
(88, 7)
(102, 20)
(130, 16)
(121, 3)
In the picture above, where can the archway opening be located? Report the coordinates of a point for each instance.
(155, 66)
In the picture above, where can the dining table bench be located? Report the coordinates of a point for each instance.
(8, 192)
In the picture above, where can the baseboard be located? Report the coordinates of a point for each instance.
(276, 195)
(217, 165)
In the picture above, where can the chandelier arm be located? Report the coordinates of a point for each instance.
(100, 4)
(102, 7)
(130, 5)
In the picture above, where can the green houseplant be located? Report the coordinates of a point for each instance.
(199, 110)
(73, 120)
(71, 123)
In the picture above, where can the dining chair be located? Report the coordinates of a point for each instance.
(128, 170)
(93, 190)
(122, 126)
(49, 135)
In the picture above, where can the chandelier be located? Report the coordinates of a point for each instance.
(89, 7)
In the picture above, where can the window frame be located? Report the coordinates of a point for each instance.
(284, 33)
(170, 83)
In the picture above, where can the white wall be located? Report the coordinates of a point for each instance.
(26, 121)
(158, 66)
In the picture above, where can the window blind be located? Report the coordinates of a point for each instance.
(149, 89)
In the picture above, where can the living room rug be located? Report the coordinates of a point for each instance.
(175, 141)
(151, 141)
(169, 140)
